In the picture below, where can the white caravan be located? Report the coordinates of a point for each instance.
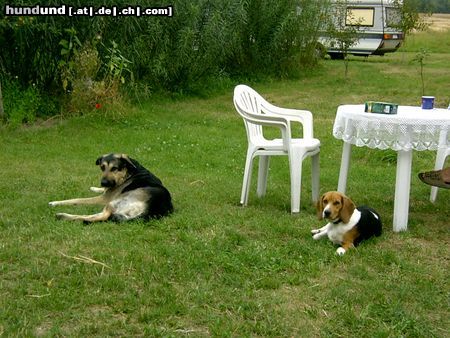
(377, 25)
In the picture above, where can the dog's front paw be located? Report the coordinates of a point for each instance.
(53, 203)
(315, 231)
(317, 236)
(340, 251)
(97, 190)
(62, 216)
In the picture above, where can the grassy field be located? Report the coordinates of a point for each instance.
(214, 268)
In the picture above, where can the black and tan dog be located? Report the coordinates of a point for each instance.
(128, 191)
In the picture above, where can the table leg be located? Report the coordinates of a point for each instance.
(345, 164)
(402, 189)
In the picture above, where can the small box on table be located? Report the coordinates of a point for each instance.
(380, 107)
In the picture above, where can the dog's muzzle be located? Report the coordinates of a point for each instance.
(326, 213)
(107, 183)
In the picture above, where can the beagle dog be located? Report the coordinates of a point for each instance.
(348, 225)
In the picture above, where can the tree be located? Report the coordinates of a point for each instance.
(420, 59)
(411, 19)
(343, 30)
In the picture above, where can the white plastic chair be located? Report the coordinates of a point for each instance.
(440, 160)
(257, 113)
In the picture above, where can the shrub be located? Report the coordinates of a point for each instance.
(93, 83)
(79, 81)
(25, 105)
(203, 39)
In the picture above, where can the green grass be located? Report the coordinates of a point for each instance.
(214, 268)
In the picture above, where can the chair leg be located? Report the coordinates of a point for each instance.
(247, 177)
(315, 177)
(263, 171)
(295, 166)
(440, 160)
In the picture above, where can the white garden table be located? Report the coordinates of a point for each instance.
(412, 128)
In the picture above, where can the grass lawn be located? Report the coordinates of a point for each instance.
(214, 268)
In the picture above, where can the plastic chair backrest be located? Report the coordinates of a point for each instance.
(249, 104)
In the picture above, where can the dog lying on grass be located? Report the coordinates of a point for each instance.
(348, 225)
(128, 191)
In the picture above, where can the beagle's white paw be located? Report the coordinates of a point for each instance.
(340, 251)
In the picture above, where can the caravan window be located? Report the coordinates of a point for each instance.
(360, 17)
(393, 17)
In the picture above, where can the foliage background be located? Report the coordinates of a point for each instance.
(436, 6)
(78, 64)
(203, 39)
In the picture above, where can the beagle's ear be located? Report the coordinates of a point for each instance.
(319, 207)
(347, 209)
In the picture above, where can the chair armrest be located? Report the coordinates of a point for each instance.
(304, 117)
(273, 121)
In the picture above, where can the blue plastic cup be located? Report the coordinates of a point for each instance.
(427, 102)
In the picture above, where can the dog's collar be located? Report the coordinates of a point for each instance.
(337, 221)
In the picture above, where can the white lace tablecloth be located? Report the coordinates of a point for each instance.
(412, 128)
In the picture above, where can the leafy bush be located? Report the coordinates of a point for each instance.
(204, 41)
(279, 37)
(79, 81)
(204, 38)
(25, 105)
(21, 106)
